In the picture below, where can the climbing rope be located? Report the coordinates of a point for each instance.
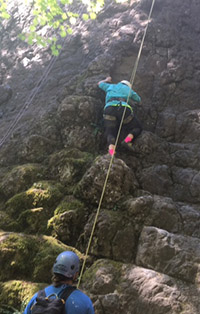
(32, 95)
(28, 102)
(117, 139)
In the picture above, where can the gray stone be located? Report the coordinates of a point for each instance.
(171, 254)
(121, 181)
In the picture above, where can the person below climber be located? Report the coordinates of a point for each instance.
(117, 98)
(65, 273)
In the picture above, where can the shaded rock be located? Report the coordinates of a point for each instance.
(69, 165)
(152, 148)
(165, 215)
(5, 221)
(185, 155)
(31, 221)
(20, 178)
(190, 217)
(157, 179)
(77, 109)
(17, 249)
(77, 116)
(16, 293)
(156, 211)
(186, 184)
(5, 93)
(42, 194)
(36, 148)
(114, 237)
(163, 252)
(121, 182)
(80, 137)
(166, 126)
(68, 220)
(188, 127)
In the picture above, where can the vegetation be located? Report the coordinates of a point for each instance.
(58, 18)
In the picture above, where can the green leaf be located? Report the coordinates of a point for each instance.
(30, 41)
(56, 24)
(35, 21)
(85, 17)
(32, 28)
(69, 30)
(5, 15)
(22, 36)
(55, 51)
(63, 34)
(93, 16)
(64, 16)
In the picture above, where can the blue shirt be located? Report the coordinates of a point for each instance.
(119, 90)
(77, 303)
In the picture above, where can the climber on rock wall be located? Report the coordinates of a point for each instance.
(117, 98)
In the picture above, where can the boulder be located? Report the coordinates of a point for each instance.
(28, 257)
(115, 236)
(163, 251)
(121, 182)
(20, 178)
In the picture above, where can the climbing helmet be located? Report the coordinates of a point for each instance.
(66, 264)
(126, 83)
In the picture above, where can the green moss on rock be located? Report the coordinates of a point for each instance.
(16, 255)
(20, 178)
(69, 165)
(17, 293)
(68, 221)
(28, 257)
(69, 204)
(42, 194)
(33, 221)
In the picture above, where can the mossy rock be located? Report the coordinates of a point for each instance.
(33, 221)
(42, 194)
(69, 203)
(20, 178)
(15, 294)
(68, 222)
(69, 165)
(28, 257)
(36, 148)
(17, 252)
(5, 221)
(102, 277)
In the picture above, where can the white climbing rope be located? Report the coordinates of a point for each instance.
(117, 139)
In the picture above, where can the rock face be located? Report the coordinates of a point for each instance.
(144, 255)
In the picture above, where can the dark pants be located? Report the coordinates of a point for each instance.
(129, 125)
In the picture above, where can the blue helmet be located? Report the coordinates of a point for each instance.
(66, 264)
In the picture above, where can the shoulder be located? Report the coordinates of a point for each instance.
(79, 302)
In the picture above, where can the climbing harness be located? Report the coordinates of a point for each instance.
(112, 118)
(117, 139)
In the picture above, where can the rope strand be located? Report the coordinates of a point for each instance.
(116, 142)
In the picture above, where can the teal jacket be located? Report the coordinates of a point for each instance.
(118, 91)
